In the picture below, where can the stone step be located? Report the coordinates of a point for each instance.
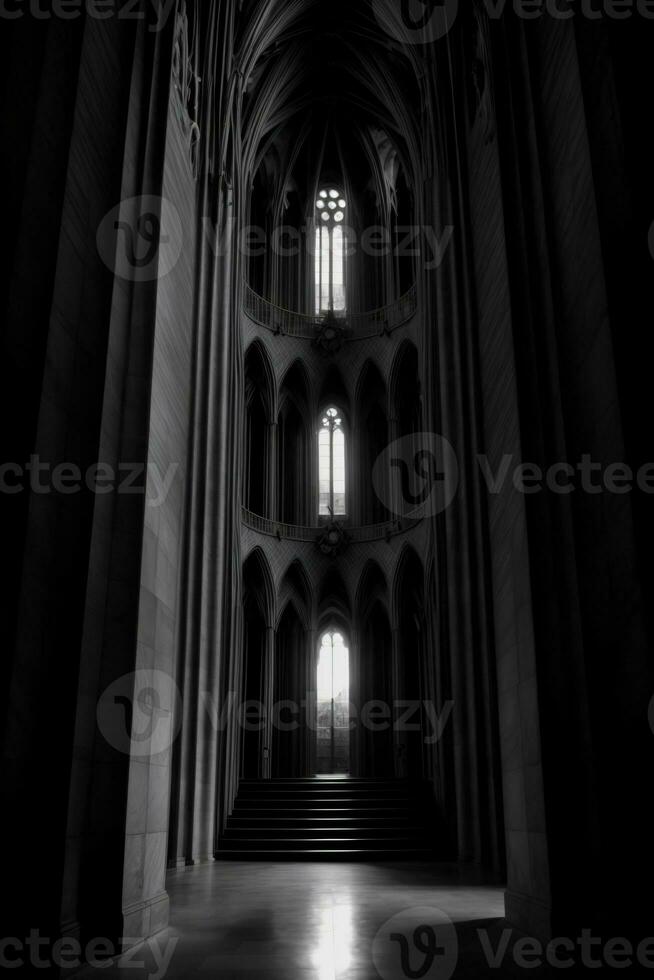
(329, 819)
(351, 831)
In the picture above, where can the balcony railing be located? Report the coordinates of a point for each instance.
(298, 532)
(306, 327)
(277, 319)
(386, 318)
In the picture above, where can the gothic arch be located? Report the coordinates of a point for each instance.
(334, 608)
(370, 384)
(409, 574)
(372, 431)
(372, 681)
(296, 385)
(295, 587)
(372, 588)
(293, 668)
(405, 390)
(334, 391)
(260, 376)
(258, 584)
(258, 459)
(294, 444)
(258, 616)
(412, 652)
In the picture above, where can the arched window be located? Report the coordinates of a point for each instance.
(330, 251)
(333, 696)
(331, 464)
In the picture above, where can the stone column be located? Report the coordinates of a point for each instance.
(312, 663)
(268, 690)
(356, 741)
(397, 693)
(272, 474)
(394, 490)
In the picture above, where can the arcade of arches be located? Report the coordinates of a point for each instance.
(279, 552)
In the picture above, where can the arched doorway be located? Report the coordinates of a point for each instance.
(332, 729)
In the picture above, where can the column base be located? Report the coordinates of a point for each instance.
(529, 915)
(144, 919)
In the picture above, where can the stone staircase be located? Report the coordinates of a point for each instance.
(329, 818)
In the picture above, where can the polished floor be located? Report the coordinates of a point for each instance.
(326, 921)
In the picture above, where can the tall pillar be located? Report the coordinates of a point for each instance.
(272, 474)
(268, 686)
(357, 742)
(311, 637)
(397, 693)
(394, 489)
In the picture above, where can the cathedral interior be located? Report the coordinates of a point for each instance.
(326, 481)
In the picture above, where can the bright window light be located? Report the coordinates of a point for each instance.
(333, 711)
(331, 464)
(330, 252)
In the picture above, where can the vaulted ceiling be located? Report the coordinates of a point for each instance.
(328, 93)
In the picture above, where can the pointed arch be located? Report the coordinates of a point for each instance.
(294, 446)
(374, 674)
(334, 608)
(412, 652)
(372, 439)
(334, 390)
(296, 385)
(258, 585)
(372, 588)
(370, 385)
(260, 399)
(260, 377)
(258, 617)
(290, 755)
(408, 581)
(405, 390)
(295, 588)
